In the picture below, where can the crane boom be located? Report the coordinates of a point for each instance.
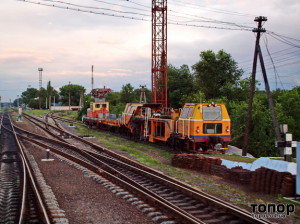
(159, 53)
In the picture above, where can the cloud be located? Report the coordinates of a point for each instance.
(120, 70)
(24, 56)
(88, 74)
(66, 43)
(142, 72)
(108, 41)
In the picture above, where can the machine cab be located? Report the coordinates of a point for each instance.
(98, 110)
(204, 124)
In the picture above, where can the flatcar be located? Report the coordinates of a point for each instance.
(197, 127)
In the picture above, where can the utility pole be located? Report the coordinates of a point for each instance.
(0, 104)
(257, 30)
(40, 87)
(69, 96)
(92, 77)
(257, 52)
(81, 105)
(18, 100)
(270, 100)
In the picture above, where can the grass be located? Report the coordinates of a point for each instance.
(233, 157)
(36, 112)
(146, 154)
(68, 115)
(14, 116)
(151, 155)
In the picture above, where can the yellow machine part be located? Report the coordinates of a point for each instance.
(94, 106)
(192, 119)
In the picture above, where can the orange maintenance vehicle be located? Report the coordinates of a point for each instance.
(197, 127)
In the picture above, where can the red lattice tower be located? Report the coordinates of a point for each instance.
(159, 52)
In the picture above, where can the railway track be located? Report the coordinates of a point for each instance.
(181, 202)
(20, 199)
(55, 118)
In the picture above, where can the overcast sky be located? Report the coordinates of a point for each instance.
(67, 43)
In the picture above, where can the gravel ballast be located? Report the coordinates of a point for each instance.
(82, 198)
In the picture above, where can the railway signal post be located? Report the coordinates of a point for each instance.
(288, 144)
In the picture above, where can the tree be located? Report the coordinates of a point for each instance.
(262, 137)
(195, 97)
(115, 104)
(16, 103)
(113, 98)
(127, 94)
(238, 91)
(288, 110)
(44, 96)
(180, 84)
(50, 91)
(214, 71)
(29, 94)
(73, 91)
(33, 103)
(87, 99)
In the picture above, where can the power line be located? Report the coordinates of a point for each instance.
(210, 27)
(278, 59)
(191, 5)
(97, 8)
(286, 37)
(92, 7)
(128, 7)
(132, 2)
(283, 40)
(82, 10)
(173, 22)
(204, 19)
(274, 68)
(279, 56)
(120, 16)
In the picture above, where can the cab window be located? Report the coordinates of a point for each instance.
(212, 113)
(131, 109)
(212, 128)
(187, 112)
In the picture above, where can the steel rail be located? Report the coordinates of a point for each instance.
(64, 119)
(28, 171)
(1, 122)
(92, 158)
(24, 174)
(179, 186)
(46, 128)
(151, 199)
